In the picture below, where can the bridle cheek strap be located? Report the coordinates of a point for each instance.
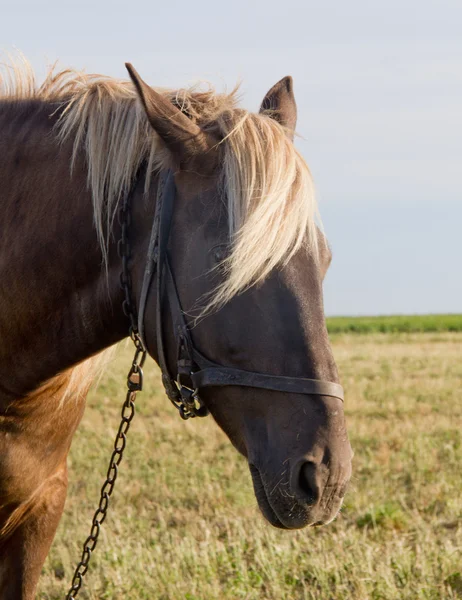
(193, 370)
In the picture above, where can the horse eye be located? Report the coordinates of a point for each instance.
(219, 253)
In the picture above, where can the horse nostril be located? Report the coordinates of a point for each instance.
(309, 482)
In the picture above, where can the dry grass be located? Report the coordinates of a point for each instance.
(184, 522)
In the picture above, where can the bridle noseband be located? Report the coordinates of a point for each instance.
(195, 371)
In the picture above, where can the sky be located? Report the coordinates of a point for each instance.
(379, 93)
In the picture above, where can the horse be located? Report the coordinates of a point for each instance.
(233, 312)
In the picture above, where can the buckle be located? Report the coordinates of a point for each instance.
(189, 403)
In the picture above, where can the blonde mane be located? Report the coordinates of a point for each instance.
(267, 184)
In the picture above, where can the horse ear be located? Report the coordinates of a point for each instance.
(184, 138)
(280, 104)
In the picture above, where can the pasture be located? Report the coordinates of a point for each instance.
(395, 324)
(184, 523)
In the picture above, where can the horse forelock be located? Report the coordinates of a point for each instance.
(271, 202)
(269, 190)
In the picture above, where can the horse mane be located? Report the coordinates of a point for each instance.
(267, 185)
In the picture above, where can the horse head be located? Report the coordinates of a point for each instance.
(247, 262)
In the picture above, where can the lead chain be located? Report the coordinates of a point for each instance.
(134, 384)
(124, 252)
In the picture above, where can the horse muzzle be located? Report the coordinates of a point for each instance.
(305, 494)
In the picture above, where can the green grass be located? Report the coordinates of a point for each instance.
(395, 324)
(184, 523)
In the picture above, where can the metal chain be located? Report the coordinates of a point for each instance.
(124, 251)
(134, 384)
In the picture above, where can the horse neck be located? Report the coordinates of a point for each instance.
(59, 305)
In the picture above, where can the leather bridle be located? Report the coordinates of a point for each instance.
(194, 371)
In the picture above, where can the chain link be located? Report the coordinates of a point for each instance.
(134, 385)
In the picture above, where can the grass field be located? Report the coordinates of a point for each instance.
(395, 324)
(184, 523)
